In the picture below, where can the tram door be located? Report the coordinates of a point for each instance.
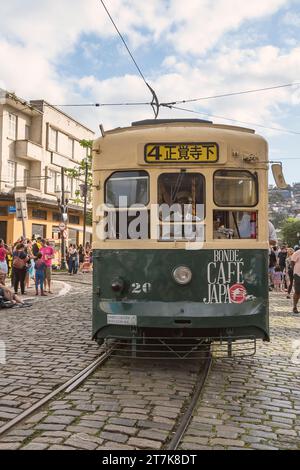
(3, 231)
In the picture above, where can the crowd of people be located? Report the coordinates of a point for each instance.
(284, 272)
(31, 260)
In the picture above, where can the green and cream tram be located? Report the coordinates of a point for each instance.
(199, 270)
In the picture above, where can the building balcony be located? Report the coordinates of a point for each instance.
(28, 150)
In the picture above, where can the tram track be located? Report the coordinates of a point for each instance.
(66, 387)
(185, 419)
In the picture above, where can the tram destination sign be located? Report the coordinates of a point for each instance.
(196, 152)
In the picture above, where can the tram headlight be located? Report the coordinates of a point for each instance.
(117, 285)
(182, 275)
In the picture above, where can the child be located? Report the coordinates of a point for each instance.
(40, 268)
(277, 279)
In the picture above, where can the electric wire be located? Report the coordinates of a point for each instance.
(223, 95)
(155, 102)
(233, 120)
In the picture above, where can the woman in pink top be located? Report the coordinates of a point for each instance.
(3, 262)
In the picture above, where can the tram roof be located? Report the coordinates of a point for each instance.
(148, 123)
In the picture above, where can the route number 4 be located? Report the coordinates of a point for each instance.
(137, 288)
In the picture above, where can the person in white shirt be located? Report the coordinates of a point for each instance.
(273, 240)
(295, 264)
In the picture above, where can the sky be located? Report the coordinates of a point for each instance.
(68, 52)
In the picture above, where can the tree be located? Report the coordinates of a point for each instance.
(278, 219)
(80, 172)
(289, 231)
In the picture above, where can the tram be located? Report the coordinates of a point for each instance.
(180, 232)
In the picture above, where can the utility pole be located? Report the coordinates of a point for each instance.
(21, 210)
(63, 241)
(85, 194)
(62, 201)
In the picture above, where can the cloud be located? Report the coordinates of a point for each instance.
(36, 40)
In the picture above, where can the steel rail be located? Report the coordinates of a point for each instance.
(186, 418)
(66, 387)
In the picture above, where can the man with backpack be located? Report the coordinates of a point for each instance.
(19, 264)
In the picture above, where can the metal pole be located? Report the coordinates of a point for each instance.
(62, 208)
(85, 198)
(23, 219)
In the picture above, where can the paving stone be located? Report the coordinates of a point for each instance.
(114, 437)
(144, 443)
(227, 442)
(35, 446)
(10, 445)
(59, 419)
(78, 442)
(131, 431)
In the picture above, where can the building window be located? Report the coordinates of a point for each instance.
(39, 214)
(69, 185)
(70, 147)
(51, 181)
(27, 132)
(56, 216)
(3, 211)
(12, 126)
(73, 236)
(74, 219)
(53, 137)
(39, 230)
(11, 172)
(26, 181)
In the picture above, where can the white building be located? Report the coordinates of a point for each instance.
(37, 140)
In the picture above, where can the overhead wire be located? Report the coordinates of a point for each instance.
(224, 95)
(232, 120)
(154, 103)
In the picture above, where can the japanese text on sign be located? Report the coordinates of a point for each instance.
(182, 153)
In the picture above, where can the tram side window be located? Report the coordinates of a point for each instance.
(126, 198)
(181, 206)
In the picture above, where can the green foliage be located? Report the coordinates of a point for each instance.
(79, 171)
(289, 231)
(278, 219)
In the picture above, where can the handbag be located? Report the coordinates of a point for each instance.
(19, 263)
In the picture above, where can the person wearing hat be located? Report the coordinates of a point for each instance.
(295, 264)
(183, 213)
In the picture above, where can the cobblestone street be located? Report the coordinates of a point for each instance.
(249, 403)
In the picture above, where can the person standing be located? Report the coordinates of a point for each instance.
(3, 262)
(281, 262)
(40, 268)
(72, 259)
(48, 254)
(295, 263)
(20, 260)
(289, 271)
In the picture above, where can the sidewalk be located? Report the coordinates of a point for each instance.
(58, 288)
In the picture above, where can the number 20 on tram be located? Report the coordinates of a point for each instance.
(180, 232)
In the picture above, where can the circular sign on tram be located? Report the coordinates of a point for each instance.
(237, 293)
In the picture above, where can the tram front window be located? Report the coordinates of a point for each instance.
(181, 206)
(125, 188)
(126, 198)
(235, 188)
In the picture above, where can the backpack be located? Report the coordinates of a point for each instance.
(19, 263)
